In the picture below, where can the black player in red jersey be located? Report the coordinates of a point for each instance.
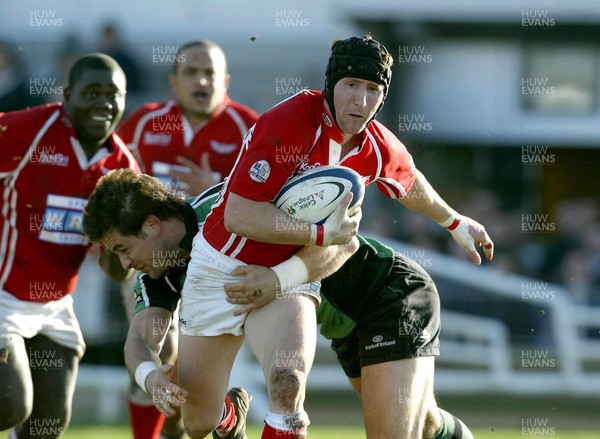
(50, 160)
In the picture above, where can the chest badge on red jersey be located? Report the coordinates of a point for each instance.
(260, 171)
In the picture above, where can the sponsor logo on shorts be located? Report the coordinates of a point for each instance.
(378, 342)
(260, 171)
(183, 321)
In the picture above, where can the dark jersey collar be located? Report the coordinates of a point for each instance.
(191, 228)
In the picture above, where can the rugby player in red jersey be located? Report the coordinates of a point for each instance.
(200, 131)
(50, 160)
(332, 127)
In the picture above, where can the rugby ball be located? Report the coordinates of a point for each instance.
(314, 194)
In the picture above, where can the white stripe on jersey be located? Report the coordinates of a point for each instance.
(317, 136)
(207, 197)
(139, 128)
(228, 244)
(335, 152)
(144, 291)
(239, 121)
(9, 210)
(377, 153)
(389, 183)
(239, 247)
(171, 285)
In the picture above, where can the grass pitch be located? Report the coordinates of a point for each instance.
(318, 432)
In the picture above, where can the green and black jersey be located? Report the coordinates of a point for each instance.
(165, 292)
(345, 294)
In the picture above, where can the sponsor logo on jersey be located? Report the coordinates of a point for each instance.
(159, 139)
(260, 171)
(63, 220)
(223, 148)
(326, 120)
(305, 166)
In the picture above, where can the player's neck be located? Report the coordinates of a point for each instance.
(349, 142)
(90, 148)
(175, 229)
(195, 120)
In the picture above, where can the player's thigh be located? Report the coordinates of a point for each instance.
(396, 396)
(16, 388)
(204, 366)
(54, 374)
(284, 332)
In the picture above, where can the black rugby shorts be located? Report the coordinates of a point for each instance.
(402, 321)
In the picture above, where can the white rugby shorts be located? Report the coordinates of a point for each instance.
(55, 319)
(204, 310)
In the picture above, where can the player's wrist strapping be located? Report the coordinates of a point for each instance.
(451, 223)
(317, 234)
(291, 273)
(459, 229)
(142, 371)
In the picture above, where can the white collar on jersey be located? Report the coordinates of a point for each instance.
(82, 157)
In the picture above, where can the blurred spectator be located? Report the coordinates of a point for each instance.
(568, 254)
(69, 49)
(14, 82)
(112, 44)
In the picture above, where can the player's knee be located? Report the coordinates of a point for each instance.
(432, 423)
(200, 426)
(13, 412)
(286, 387)
(16, 405)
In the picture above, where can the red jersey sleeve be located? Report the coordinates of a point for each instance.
(275, 147)
(398, 170)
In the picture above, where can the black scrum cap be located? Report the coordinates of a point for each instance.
(358, 57)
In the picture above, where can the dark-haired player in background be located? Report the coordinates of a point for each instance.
(50, 160)
(200, 131)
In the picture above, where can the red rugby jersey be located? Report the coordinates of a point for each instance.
(160, 132)
(295, 135)
(46, 180)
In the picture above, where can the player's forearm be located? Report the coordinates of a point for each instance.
(144, 339)
(424, 199)
(324, 261)
(262, 221)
